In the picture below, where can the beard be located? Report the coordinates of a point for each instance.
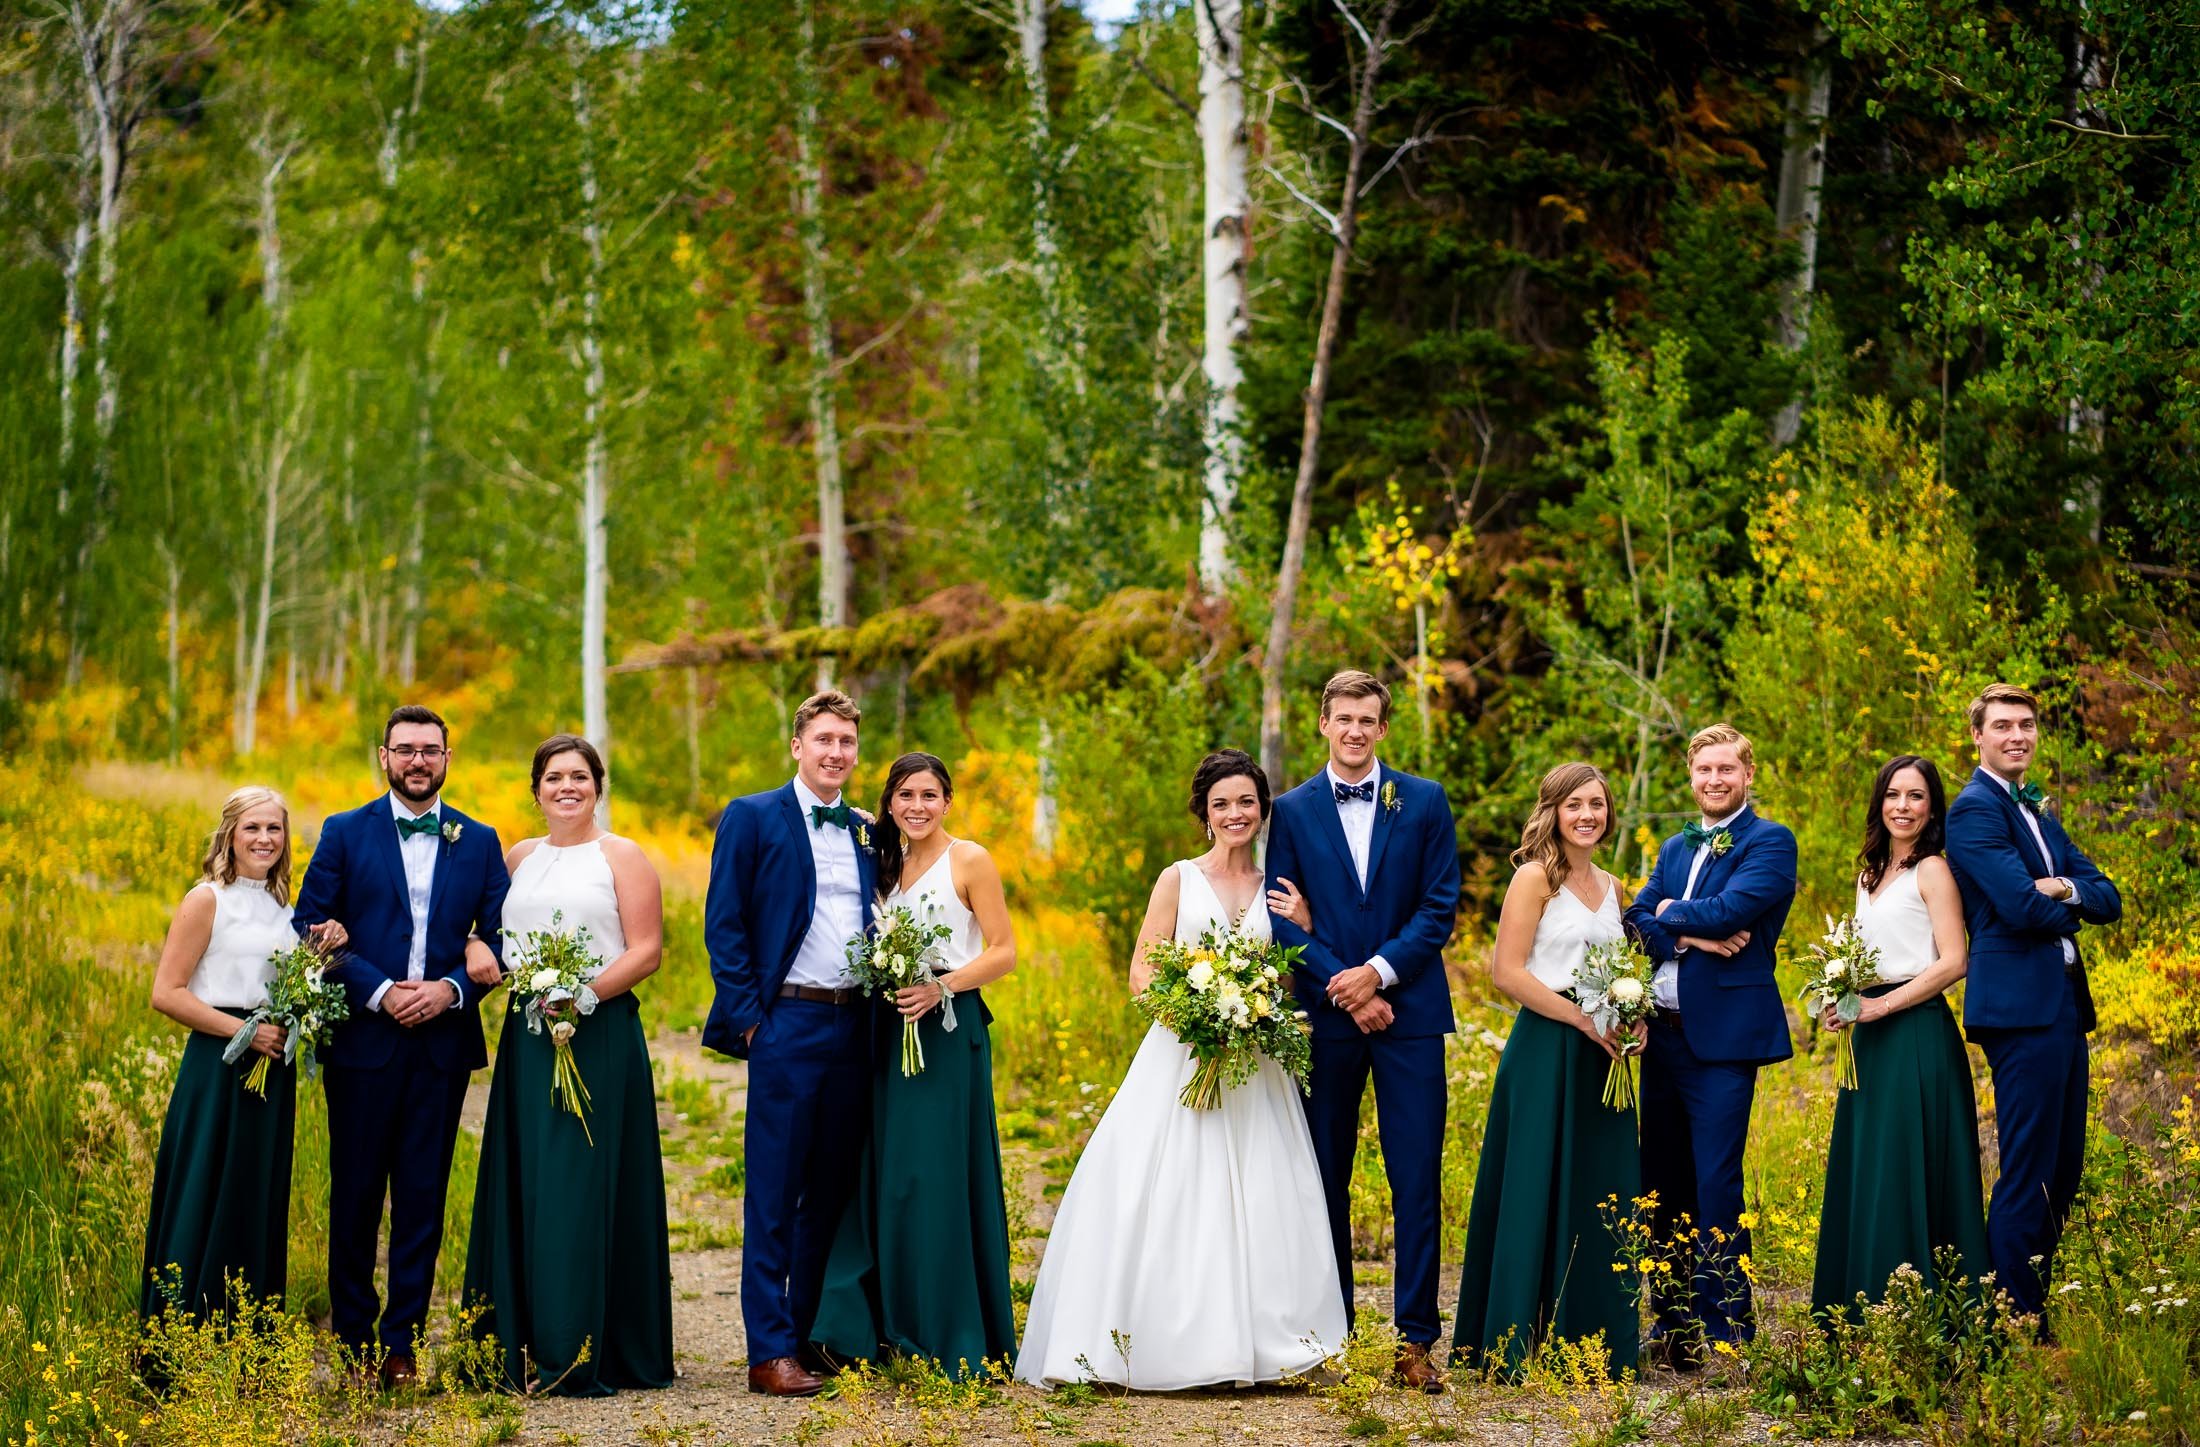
(415, 790)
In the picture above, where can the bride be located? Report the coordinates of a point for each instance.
(1192, 1248)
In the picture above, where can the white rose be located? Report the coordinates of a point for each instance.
(1200, 976)
(562, 1031)
(543, 980)
(1268, 972)
(1833, 969)
(1627, 990)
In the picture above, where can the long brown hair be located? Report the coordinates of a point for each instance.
(1539, 837)
(220, 864)
(892, 848)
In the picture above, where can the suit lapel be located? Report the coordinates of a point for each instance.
(866, 877)
(1332, 827)
(444, 849)
(1380, 839)
(790, 814)
(1718, 866)
(2027, 845)
(381, 827)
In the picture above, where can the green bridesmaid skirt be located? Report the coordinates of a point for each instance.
(920, 1263)
(1539, 1253)
(1902, 1175)
(568, 1248)
(221, 1185)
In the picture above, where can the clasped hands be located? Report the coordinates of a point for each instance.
(413, 1003)
(1725, 949)
(1352, 991)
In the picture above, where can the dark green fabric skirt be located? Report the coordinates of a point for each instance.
(1539, 1252)
(221, 1185)
(920, 1263)
(1902, 1174)
(568, 1245)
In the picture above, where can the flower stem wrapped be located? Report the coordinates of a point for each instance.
(550, 985)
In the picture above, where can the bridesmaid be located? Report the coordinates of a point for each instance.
(920, 1265)
(221, 1183)
(1902, 1174)
(1539, 1255)
(569, 1247)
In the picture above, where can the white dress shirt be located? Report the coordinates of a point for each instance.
(1665, 983)
(1358, 819)
(419, 852)
(2070, 946)
(822, 961)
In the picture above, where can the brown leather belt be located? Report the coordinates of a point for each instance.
(817, 995)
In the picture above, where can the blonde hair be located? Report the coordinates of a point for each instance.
(220, 864)
(1539, 837)
(831, 701)
(1720, 733)
(2000, 693)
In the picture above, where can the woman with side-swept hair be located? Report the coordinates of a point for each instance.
(1902, 1172)
(1539, 1256)
(221, 1184)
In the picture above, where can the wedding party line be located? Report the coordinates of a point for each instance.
(1205, 1236)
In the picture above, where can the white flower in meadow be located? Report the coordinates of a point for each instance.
(543, 980)
(1626, 989)
(1201, 976)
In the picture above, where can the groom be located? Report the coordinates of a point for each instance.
(421, 889)
(1376, 855)
(2026, 893)
(1710, 917)
(791, 879)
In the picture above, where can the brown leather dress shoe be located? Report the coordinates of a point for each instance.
(1417, 1372)
(783, 1377)
(399, 1373)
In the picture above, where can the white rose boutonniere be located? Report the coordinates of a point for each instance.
(451, 831)
(1390, 797)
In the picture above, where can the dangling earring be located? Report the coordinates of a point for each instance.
(1210, 833)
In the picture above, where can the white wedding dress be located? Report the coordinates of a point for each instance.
(1192, 1248)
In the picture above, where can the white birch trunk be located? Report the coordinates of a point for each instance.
(809, 187)
(1802, 173)
(396, 145)
(1220, 25)
(276, 427)
(595, 531)
(2083, 421)
(72, 349)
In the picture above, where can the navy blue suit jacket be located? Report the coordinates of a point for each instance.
(763, 893)
(2015, 979)
(1731, 1009)
(357, 877)
(1406, 914)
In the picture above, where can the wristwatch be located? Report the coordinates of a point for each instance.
(2070, 891)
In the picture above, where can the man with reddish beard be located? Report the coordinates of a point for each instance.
(421, 889)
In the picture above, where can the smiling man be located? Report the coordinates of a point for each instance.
(2026, 893)
(791, 882)
(1710, 916)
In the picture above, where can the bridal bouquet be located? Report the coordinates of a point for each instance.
(559, 965)
(1226, 999)
(898, 953)
(1613, 989)
(303, 1002)
(1844, 967)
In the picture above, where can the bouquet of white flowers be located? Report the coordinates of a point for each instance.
(558, 966)
(1843, 967)
(898, 953)
(1613, 988)
(1227, 998)
(304, 1002)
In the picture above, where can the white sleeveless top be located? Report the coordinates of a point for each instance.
(1898, 926)
(574, 881)
(932, 899)
(1198, 906)
(249, 926)
(1567, 929)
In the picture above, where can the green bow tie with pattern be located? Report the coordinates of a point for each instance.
(1698, 835)
(2031, 796)
(426, 823)
(824, 814)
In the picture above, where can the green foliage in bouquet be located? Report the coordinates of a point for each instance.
(1842, 967)
(1228, 998)
(301, 1001)
(548, 989)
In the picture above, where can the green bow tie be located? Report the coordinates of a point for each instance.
(2031, 796)
(1698, 835)
(824, 814)
(426, 823)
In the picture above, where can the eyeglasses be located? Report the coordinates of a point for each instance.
(406, 753)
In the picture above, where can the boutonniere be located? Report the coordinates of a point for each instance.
(1390, 797)
(1722, 839)
(451, 831)
(862, 828)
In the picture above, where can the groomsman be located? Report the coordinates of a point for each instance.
(791, 882)
(2026, 893)
(1376, 854)
(421, 889)
(1710, 917)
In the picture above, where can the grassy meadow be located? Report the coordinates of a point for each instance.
(92, 860)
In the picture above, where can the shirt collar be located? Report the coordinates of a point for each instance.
(1992, 777)
(807, 800)
(1374, 776)
(399, 811)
